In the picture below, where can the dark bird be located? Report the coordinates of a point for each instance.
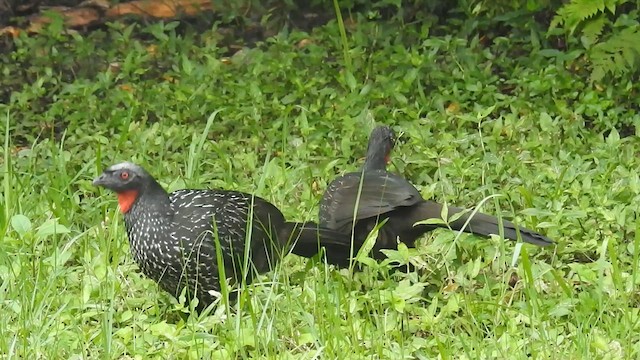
(177, 238)
(380, 196)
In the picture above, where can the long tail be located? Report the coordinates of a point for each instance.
(306, 239)
(480, 224)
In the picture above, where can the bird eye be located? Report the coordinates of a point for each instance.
(124, 175)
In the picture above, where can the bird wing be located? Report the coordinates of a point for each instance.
(224, 215)
(380, 192)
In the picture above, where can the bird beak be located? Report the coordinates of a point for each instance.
(101, 180)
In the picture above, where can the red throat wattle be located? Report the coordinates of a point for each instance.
(126, 200)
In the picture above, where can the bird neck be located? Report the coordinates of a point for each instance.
(376, 159)
(152, 200)
(148, 222)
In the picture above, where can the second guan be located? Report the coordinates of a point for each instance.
(382, 195)
(177, 238)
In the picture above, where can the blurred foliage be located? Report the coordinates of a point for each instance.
(487, 103)
(609, 32)
(589, 41)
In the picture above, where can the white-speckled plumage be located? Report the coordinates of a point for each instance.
(175, 238)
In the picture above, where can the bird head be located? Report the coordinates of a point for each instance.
(125, 179)
(381, 142)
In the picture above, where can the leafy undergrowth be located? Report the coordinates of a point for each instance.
(285, 118)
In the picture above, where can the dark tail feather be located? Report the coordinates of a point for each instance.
(306, 239)
(482, 224)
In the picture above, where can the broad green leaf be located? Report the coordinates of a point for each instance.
(51, 227)
(21, 224)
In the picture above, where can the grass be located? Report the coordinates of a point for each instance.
(281, 120)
